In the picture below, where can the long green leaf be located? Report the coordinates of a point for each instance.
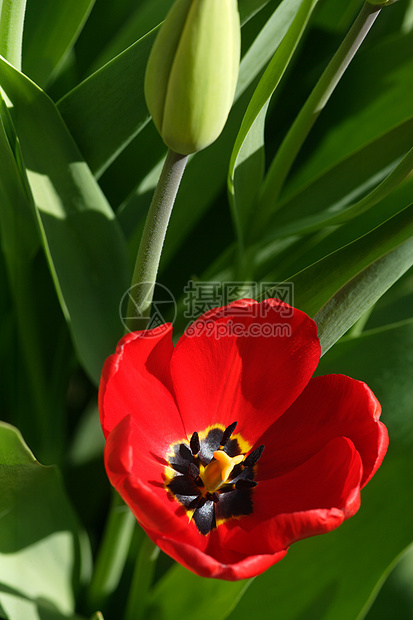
(346, 306)
(285, 256)
(373, 98)
(20, 242)
(313, 106)
(181, 589)
(50, 31)
(266, 42)
(11, 30)
(331, 193)
(316, 285)
(107, 110)
(246, 165)
(330, 218)
(39, 535)
(395, 596)
(76, 222)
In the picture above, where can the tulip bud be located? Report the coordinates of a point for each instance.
(192, 72)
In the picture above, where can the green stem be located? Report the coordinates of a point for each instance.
(119, 529)
(112, 555)
(308, 115)
(149, 254)
(11, 31)
(141, 580)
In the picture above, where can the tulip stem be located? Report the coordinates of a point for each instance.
(285, 157)
(153, 236)
(141, 580)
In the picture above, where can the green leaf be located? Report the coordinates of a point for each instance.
(134, 22)
(39, 534)
(246, 168)
(50, 31)
(16, 217)
(266, 42)
(11, 30)
(249, 8)
(14, 607)
(336, 214)
(182, 590)
(396, 597)
(317, 285)
(106, 111)
(373, 97)
(332, 577)
(76, 223)
(20, 242)
(360, 293)
(346, 181)
(300, 252)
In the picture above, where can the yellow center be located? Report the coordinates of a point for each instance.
(218, 471)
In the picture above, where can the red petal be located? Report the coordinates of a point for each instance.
(222, 377)
(137, 475)
(206, 565)
(136, 381)
(330, 406)
(314, 498)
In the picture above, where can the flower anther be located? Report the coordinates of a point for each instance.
(211, 476)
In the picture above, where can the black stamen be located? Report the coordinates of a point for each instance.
(254, 457)
(193, 471)
(236, 471)
(227, 433)
(243, 483)
(227, 488)
(214, 497)
(182, 469)
(194, 443)
(199, 482)
(194, 503)
(185, 452)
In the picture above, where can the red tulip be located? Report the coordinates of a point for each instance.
(186, 428)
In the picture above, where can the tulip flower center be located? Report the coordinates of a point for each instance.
(213, 476)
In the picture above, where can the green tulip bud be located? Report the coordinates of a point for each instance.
(192, 72)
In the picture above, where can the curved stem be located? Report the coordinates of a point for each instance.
(149, 254)
(120, 525)
(308, 115)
